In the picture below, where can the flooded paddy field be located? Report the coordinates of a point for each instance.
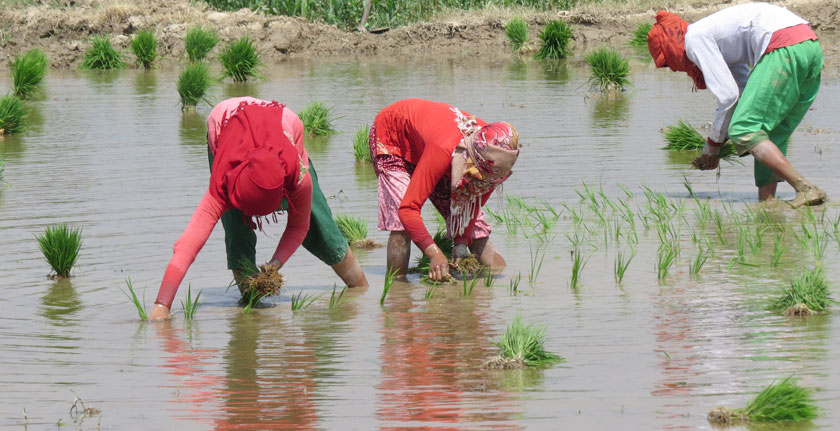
(112, 153)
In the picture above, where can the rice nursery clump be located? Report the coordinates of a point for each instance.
(554, 41)
(517, 32)
(198, 42)
(60, 245)
(102, 55)
(240, 60)
(609, 69)
(144, 45)
(28, 71)
(355, 231)
(317, 119)
(12, 115)
(807, 294)
(192, 84)
(522, 345)
(683, 137)
(780, 402)
(266, 282)
(361, 149)
(640, 34)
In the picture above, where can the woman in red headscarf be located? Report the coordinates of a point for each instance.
(258, 164)
(762, 63)
(424, 150)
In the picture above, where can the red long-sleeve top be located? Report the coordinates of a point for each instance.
(425, 134)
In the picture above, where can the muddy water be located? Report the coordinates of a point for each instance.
(114, 154)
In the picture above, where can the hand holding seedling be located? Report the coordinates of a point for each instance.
(159, 312)
(711, 156)
(438, 263)
(459, 252)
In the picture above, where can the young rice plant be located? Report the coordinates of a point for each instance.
(525, 344)
(390, 277)
(609, 69)
(144, 45)
(810, 289)
(361, 147)
(640, 34)
(60, 245)
(132, 296)
(683, 137)
(781, 402)
(554, 41)
(353, 228)
(28, 71)
(12, 115)
(317, 119)
(102, 55)
(517, 32)
(199, 42)
(191, 305)
(192, 85)
(240, 60)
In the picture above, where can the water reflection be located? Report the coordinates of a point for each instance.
(193, 129)
(12, 147)
(554, 70)
(518, 69)
(34, 119)
(145, 81)
(317, 145)
(61, 304)
(240, 89)
(102, 79)
(610, 109)
(365, 176)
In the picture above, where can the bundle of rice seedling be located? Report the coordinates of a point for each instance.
(683, 137)
(12, 115)
(266, 282)
(640, 34)
(361, 147)
(192, 85)
(317, 119)
(355, 231)
(144, 46)
(199, 42)
(807, 294)
(102, 55)
(522, 345)
(780, 402)
(468, 267)
(28, 71)
(60, 245)
(240, 60)
(609, 69)
(554, 41)
(517, 32)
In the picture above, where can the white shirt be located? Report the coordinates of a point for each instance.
(726, 45)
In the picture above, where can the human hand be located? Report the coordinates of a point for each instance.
(275, 263)
(438, 264)
(711, 156)
(159, 312)
(460, 251)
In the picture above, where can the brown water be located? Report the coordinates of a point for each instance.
(114, 154)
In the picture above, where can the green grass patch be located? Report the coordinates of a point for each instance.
(144, 45)
(102, 55)
(192, 85)
(28, 71)
(809, 289)
(517, 32)
(60, 245)
(240, 60)
(609, 69)
(640, 34)
(198, 42)
(12, 115)
(554, 41)
(317, 119)
(522, 345)
(361, 146)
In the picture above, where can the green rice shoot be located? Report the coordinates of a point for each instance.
(809, 288)
(684, 137)
(554, 41)
(390, 277)
(353, 228)
(144, 45)
(317, 119)
(60, 245)
(337, 299)
(640, 34)
(191, 304)
(198, 42)
(361, 147)
(240, 60)
(785, 401)
(525, 344)
(102, 55)
(12, 115)
(192, 85)
(302, 302)
(609, 69)
(28, 71)
(444, 243)
(132, 296)
(517, 32)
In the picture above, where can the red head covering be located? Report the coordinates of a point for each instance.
(666, 43)
(255, 163)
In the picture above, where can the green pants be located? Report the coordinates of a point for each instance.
(779, 92)
(323, 240)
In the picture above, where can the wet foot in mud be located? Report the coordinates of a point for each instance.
(808, 194)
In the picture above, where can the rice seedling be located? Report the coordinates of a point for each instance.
(577, 267)
(337, 300)
(609, 69)
(517, 32)
(818, 245)
(781, 402)
(554, 41)
(469, 286)
(12, 115)
(192, 85)
(316, 119)
(720, 229)
(259, 283)
(536, 263)
(809, 289)
(695, 265)
(390, 277)
(102, 55)
(144, 45)
(191, 305)
(198, 42)
(28, 71)
(431, 291)
(60, 245)
(353, 228)
(251, 300)
(684, 137)
(132, 296)
(444, 243)
(489, 277)
(522, 345)
(240, 60)
(778, 249)
(665, 258)
(361, 149)
(640, 34)
(302, 302)
(620, 266)
(513, 285)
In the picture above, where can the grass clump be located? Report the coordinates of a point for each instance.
(554, 41)
(132, 296)
(28, 71)
(355, 231)
(780, 402)
(522, 345)
(198, 42)
(12, 115)
(240, 60)
(317, 119)
(60, 245)
(517, 32)
(144, 45)
(102, 55)
(807, 294)
(192, 84)
(609, 69)
(640, 34)
(361, 147)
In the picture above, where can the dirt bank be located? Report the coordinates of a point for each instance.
(62, 28)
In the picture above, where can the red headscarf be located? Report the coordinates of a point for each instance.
(666, 43)
(255, 163)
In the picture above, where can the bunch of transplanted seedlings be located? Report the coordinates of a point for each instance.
(609, 69)
(361, 146)
(258, 283)
(60, 245)
(517, 32)
(144, 46)
(192, 85)
(199, 42)
(778, 403)
(554, 41)
(12, 115)
(240, 60)
(640, 34)
(317, 119)
(522, 345)
(102, 55)
(355, 231)
(807, 294)
(28, 71)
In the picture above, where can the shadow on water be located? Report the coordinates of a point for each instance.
(61, 304)
(145, 81)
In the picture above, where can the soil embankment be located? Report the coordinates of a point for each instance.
(62, 29)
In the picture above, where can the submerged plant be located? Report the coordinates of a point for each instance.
(28, 71)
(609, 69)
(240, 60)
(390, 277)
(640, 34)
(12, 115)
(554, 41)
(192, 85)
(785, 401)
(191, 305)
(102, 55)
(198, 42)
(60, 245)
(522, 345)
(132, 296)
(144, 45)
(517, 32)
(317, 119)
(361, 148)
(809, 290)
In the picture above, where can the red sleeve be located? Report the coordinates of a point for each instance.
(200, 227)
(434, 164)
(297, 226)
(467, 236)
